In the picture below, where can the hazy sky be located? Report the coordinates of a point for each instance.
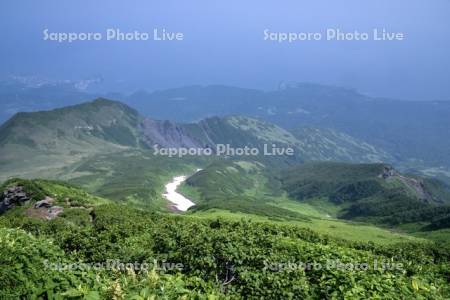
(224, 44)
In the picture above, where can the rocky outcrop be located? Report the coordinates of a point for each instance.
(54, 211)
(46, 203)
(16, 196)
(45, 209)
(167, 134)
(388, 171)
(418, 186)
(413, 184)
(12, 197)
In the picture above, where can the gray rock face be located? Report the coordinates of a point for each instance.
(388, 172)
(46, 203)
(54, 211)
(15, 196)
(12, 197)
(167, 134)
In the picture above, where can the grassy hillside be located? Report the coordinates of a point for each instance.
(94, 122)
(373, 192)
(62, 202)
(324, 144)
(134, 176)
(237, 186)
(309, 143)
(335, 198)
(104, 145)
(253, 190)
(62, 192)
(41, 143)
(216, 259)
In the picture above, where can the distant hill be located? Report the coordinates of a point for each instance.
(41, 143)
(74, 127)
(238, 131)
(373, 192)
(44, 142)
(325, 144)
(414, 132)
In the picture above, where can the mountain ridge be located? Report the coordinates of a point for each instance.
(414, 132)
(107, 123)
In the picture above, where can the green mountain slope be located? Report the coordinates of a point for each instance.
(214, 259)
(242, 186)
(324, 144)
(416, 132)
(308, 143)
(371, 192)
(43, 200)
(135, 176)
(237, 132)
(44, 144)
(39, 144)
(374, 193)
(104, 146)
(73, 128)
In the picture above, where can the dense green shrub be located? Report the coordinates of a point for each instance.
(219, 258)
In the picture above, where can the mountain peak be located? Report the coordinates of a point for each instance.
(101, 100)
(95, 124)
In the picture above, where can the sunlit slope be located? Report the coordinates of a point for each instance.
(42, 144)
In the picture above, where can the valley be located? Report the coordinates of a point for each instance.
(106, 147)
(222, 216)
